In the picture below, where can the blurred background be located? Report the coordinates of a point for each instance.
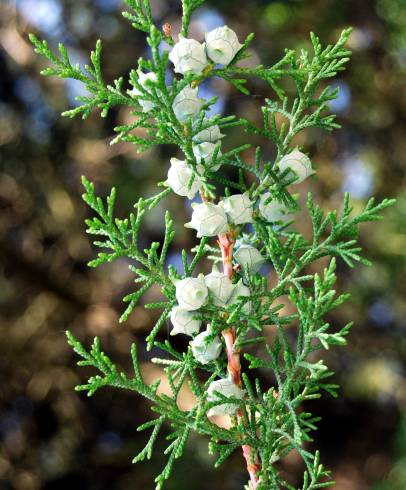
(54, 438)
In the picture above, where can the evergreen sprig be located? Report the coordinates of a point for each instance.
(267, 419)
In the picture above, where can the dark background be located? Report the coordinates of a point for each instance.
(55, 438)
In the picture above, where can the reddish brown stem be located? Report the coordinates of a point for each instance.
(226, 244)
(252, 468)
(233, 356)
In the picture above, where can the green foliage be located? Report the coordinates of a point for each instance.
(271, 421)
(177, 371)
(100, 95)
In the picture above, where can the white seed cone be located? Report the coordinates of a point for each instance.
(274, 211)
(220, 286)
(238, 208)
(222, 45)
(191, 292)
(204, 152)
(227, 388)
(187, 104)
(144, 79)
(208, 219)
(241, 290)
(204, 351)
(179, 176)
(249, 258)
(183, 321)
(298, 163)
(188, 56)
(209, 135)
